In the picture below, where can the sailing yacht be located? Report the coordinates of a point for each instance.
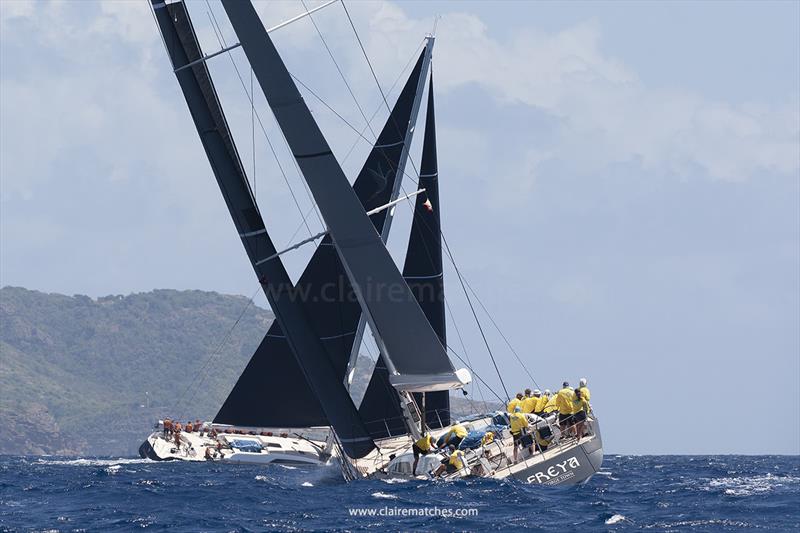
(307, 356)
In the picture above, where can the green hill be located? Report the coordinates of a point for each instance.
(79, 375)
(85, 376)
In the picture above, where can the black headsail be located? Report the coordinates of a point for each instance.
(423, 272)
(417, 360)
(310, 355)
(330, 304)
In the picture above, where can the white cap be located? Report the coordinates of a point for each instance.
(583, 382)
(537, 391)
(547, 391)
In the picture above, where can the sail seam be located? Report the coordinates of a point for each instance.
(318, 154)
(253, 233)
(434, 276)
(398, 143)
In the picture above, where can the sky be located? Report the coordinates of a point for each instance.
(620, 184)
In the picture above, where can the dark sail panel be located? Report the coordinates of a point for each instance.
(424, 274)
(330, 304)
(380, 409)
(308, 351)
(420, 359)
(423, 266)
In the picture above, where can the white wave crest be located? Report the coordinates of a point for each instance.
(393, 480)
(306, 484)
(384, 496)
(616, 519)
(750, 485)
(93, 462)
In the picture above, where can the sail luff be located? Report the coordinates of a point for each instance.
(206, 111)
(401, 329)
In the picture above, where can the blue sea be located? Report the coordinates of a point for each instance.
(656, 493)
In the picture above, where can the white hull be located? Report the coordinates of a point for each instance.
(229, 448)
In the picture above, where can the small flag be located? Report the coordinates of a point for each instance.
(428, 205)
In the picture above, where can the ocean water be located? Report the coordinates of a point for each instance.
(654, 493)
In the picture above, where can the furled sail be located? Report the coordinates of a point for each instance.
(310, 355)
(262, 396)
(417, 360)
(423, 272)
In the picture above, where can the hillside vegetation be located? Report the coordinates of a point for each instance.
(79, 375)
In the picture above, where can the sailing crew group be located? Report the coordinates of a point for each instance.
(526, 413)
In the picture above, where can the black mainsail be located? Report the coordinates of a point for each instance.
(266, 393)
(417, 359)
(380, 408)
(309, 352)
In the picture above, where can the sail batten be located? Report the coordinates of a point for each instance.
(412, 350)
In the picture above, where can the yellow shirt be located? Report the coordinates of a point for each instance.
(458, 430)
(550, 406)
(529, 404)
(455, 459)
(424, 443)
(580, 405)
(564, 400)
(518, 422)
(542, 401)
(585, 393)
(513, 404)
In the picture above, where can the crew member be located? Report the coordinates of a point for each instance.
(529, 403)
(167, 427)
(455, 435)
(550, 406)
(580, 409)
(564, 404)
(514, 402)
(487, 438)
(542, 402)
(584, 390)
(177, 432)
(422, 447)
(453, 463)
(519, 428)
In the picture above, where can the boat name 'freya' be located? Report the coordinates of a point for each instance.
(557, 472)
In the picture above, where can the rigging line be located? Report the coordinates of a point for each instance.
(380, 105)
(461, 341)
(223, 43)
(508, 343)
(253, 134)
(369, 64)
(214, 354)
(472, 370)
(360, 134)
(364, 51)
(341, 74)
(474, 314)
